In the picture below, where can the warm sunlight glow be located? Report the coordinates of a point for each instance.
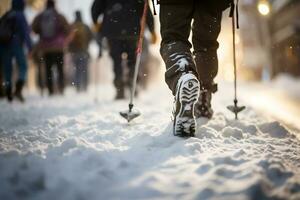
(264, 8)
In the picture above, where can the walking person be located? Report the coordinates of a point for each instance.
(121, 27)
(78, 47)
(188, 75)
(14, 33)
(53, 30)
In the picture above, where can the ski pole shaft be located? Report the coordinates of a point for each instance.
(234, 57)
(139, 53)
(136, 71)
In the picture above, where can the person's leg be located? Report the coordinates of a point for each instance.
(7, 57)
(81, 60)
(116, 50)
(175, 48)
(48, 57)
(77, 64)
(84, 76)
(206, 29)
(181, 70)
(38, 61)
(130, 49)
(59, 61)
(22, 66)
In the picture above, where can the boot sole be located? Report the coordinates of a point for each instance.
(185, 121)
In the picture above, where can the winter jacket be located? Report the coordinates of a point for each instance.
(56, 43)
(210, 4)
(22, 30)
(82, 37)
(121, 18)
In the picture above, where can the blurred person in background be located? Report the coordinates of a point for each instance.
(80, 39)
(14, 32)
(121, 27)
(53, 30)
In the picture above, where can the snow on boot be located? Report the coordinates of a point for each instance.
(18, 92)
(203, 106)
(186, 96)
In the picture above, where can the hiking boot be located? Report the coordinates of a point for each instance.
(18, 92)
(187, 93)
(203, 106)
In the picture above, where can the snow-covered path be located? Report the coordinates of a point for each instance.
(71, 148)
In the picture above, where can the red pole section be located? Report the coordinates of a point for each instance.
(143, 25)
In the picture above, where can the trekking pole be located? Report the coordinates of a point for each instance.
(132, 114)
(235, 108)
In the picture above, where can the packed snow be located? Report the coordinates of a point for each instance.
(290, 85)
(70, 147)
(279, 98)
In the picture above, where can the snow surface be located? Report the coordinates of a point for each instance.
(71, 148)
(278, 98)
(288, 84)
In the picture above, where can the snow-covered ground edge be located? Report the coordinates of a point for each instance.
(72, 148)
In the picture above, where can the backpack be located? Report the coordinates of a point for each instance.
(7, 27)
(49, 24)
(81, 37)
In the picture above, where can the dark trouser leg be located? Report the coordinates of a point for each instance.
(59, 61)
(206, 29)
(80, 61)
(129, 48)
(21, 62)
(77, 64)
(22, 65)
(7, 57)
(116, 50)
(175, 48)
(49, 61)
(84, 75)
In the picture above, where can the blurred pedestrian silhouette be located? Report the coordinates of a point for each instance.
(121, 26)
(53, 30)
(14, 32)
(80, 39)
